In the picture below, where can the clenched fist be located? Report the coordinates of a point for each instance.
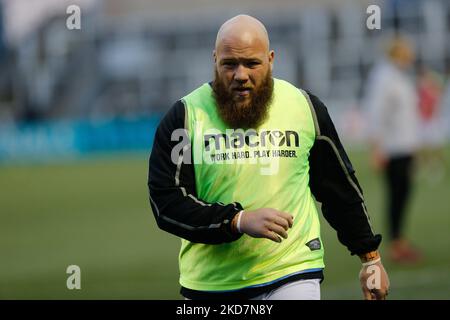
(264, 223)
(374, 281)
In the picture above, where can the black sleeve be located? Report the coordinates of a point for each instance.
(334, 184)
(171, 184)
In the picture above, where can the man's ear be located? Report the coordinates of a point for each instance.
(215, 56)
(271, 57)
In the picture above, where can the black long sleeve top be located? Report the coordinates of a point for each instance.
(178, 210)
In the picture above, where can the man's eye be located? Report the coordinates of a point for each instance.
(229, 64)
(252, 64)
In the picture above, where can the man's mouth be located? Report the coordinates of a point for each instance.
(242, 91)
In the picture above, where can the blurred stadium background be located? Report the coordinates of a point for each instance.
(78, 111)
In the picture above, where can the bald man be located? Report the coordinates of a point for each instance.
(234, 170)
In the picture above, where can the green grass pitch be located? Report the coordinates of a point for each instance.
(94, 213)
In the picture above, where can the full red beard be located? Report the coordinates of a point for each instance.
(248, 116)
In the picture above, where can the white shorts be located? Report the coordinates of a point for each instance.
(308, 289)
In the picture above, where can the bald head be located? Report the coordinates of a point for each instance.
(243, 30)
(243, 38)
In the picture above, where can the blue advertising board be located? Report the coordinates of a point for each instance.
(53, 140)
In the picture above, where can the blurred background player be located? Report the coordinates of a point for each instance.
(392, 103)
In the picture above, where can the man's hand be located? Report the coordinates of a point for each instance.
(265, 223)
(374, 280)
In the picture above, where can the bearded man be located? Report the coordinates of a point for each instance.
(248, 231)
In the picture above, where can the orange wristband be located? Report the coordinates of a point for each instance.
(369, 256)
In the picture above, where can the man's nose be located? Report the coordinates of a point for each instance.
(241, 74)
